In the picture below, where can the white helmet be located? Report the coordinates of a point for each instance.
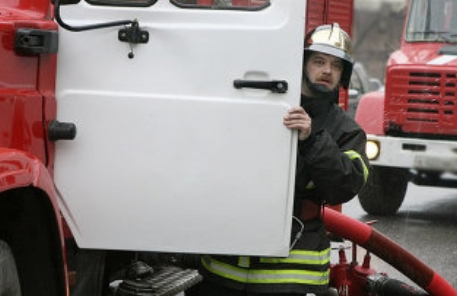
(332, 40)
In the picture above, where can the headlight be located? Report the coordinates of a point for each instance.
(372, 149)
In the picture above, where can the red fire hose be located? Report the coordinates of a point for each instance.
(378, 244)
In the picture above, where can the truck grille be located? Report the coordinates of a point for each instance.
(421, 102)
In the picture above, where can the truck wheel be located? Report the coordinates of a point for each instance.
(9, 279)
(385, 190)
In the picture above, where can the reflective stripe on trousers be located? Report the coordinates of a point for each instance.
(290, 275)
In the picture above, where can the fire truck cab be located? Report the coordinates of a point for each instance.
(412, 126)
(146, 126)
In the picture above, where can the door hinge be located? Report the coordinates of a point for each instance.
(35, 41)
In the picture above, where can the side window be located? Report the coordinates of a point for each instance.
(131, 3)
(223, 4)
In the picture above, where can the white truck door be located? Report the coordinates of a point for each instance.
(169, 155)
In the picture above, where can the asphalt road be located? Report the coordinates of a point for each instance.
(425, 225)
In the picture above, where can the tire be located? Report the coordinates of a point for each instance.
(385, 190)
(9, 279)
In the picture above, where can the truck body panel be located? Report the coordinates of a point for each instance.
(330, 11)
(179, 138)
(22, 93)
(422, 98)
(372, 102)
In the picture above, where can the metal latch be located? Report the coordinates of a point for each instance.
(35, 41)
(133, 34)
(275, 86)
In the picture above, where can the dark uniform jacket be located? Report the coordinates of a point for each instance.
(332, 158)
(331, 168)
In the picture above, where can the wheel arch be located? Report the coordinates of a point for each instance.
(30, 223)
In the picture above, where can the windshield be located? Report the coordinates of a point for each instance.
(432, 20)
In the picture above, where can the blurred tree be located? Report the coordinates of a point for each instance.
(378, 25)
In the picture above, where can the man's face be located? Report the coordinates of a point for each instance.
(323, 69)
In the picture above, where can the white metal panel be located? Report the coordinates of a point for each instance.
(169, 156)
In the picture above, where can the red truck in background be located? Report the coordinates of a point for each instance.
(412, 126)
(38, 252)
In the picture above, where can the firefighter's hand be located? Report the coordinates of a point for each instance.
(297, 118)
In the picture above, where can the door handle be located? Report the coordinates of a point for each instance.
(275, 86)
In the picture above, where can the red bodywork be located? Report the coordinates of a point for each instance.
(372, 103)
(27, 87)
(421, 98)
(27, 82)
(328, 12)
(27, 96)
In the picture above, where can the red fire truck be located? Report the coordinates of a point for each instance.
(412, 127)
(115, 115)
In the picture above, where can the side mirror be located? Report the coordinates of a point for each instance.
(353, 93)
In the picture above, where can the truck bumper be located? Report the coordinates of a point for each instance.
(419, 154)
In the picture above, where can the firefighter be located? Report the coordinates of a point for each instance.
(331, 168)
